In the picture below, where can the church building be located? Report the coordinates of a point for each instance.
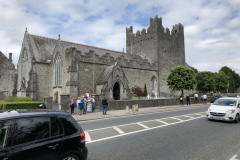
(54, 67)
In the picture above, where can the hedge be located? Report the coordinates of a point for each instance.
(19, 105)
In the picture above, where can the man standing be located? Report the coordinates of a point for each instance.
(205, 98)
(196, 98)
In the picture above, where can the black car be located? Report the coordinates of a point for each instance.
(41, 136)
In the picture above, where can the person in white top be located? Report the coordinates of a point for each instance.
(205, 98)
(196, 98)
(93, 103)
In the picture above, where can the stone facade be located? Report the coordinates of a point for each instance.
(8, 76)
(53, 67)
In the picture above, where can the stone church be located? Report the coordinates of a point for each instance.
(53, 67)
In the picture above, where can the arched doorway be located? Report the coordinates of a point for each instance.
(116, 91)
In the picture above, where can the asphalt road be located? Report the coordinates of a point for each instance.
(175, 135)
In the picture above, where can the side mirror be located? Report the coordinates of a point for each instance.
(238, 105)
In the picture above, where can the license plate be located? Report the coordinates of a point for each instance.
(217, 118)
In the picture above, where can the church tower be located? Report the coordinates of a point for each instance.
(158, 45)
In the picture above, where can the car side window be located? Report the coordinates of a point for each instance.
(4, 129)
(32, 129)
(56, 127)
(238, 103)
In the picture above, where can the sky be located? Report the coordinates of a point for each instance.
(211, 27)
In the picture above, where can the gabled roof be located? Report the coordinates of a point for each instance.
(105, 75)
(44, 48)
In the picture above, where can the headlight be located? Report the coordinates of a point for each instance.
(231, 111)
(209, 109)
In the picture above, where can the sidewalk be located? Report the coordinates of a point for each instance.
(119, 113)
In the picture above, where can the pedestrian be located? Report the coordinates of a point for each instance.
(93, 103)
(78, 106)
(202, 98)
(72, 105)
(205, 98)
(181, 99)
(104, 105)
(196, 98)
(85, 104)
(81, 104)
(188, 100)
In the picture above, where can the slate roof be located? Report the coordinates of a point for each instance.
(105, 75)
(50, 43)
(100, 51)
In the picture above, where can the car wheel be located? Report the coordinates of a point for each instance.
(70, 157)
(236, 119)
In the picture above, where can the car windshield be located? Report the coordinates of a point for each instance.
(225, 102)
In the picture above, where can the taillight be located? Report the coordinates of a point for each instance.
(82, 137)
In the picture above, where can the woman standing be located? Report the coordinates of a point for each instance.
(104, 105)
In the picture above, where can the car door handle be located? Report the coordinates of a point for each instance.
(53, 147)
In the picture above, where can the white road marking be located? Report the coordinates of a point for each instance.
(87, 136)
(119, 130)
(177, 118)
(234, 158)
(142, 125)
(162, 122)
(188, 116)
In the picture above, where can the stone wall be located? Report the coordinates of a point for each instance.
(121, 105)
(7, 75)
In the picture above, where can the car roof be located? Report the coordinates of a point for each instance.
(236, 98)
(17, 114)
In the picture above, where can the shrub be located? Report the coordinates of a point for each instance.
(19, 105)
(145, 90)
(191, 95)
(138, 91)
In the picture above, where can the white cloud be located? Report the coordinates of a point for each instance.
(211, 27)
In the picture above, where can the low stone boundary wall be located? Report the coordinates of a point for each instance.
(121, 104)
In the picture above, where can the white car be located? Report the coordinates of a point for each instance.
(225, 109)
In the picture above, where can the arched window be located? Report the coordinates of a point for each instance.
(57, 70)
(154, 84)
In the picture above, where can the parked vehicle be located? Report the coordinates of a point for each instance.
(41, 136)
(225, 109)
(213, 99)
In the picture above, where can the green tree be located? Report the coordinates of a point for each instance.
(233, 79)
(221, 80)
(205, 81)
(181, 78)
(145, 90)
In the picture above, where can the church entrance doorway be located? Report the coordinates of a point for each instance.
(116, 91)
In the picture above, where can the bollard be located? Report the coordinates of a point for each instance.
(127, 110)
(136, 107)
(133, 108)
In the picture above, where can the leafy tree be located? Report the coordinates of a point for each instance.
(221, 80)
(194, 69)
(233, 78)
(145, 90)
(137, 91)
(181, 78)
(205, 81)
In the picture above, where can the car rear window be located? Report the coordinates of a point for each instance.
(4, 129)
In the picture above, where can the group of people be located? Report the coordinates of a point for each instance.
(203, 99)
(82, 103)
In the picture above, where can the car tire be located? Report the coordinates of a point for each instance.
(70, 157)
(236, 119)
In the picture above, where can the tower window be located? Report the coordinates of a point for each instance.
(57, 70)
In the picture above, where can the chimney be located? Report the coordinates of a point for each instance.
(10, 56)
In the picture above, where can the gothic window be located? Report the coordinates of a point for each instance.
(154, 84)
(57, 70)
(24, 55)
